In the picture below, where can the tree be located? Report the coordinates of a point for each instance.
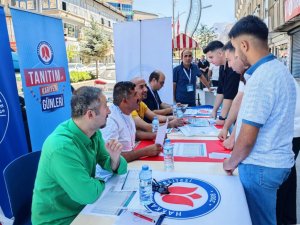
(95, 44)
(204, 35)
(71, 52)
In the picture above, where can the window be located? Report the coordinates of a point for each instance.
(69, 30)
(109, 24)
(102, 21)
(31, 4)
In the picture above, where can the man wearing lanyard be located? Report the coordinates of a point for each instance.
(184, 80)
(156, 82)
(120, 124)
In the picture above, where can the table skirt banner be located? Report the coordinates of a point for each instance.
(193, 199)
(212, 146)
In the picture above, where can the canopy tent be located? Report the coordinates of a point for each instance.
(182, 41)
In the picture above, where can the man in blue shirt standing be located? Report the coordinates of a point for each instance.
(184, 80)
(263, 148)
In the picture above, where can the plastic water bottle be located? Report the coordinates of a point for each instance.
(168, 156)
(145, 185)
(155, 124)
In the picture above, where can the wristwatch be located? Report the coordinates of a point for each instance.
(221, 118)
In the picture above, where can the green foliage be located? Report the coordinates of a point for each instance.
(71, 52)
(76, 76)
(96, 44)
(204, 35)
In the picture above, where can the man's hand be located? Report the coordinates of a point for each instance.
(153, 150)
(223, 134)
(220, 122)
(114, 149)
(213, 114)
(228, 167)
(178, 122)
(229, 143)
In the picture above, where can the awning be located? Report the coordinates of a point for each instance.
(182, 41)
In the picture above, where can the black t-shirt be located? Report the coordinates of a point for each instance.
(152, 102)
(203, 64)
(228, 82)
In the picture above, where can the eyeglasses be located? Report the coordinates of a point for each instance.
(160, 188)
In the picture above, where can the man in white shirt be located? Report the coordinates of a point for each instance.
(120, 124)
(264, 132)
(213, 74)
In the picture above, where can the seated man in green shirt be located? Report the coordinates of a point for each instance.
(65, 180)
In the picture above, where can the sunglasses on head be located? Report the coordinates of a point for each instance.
(160, 188)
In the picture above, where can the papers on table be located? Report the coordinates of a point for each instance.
(161, 133)
(201, 131)
(110, 203)
(219, 155)
(198, 122)
(128, 182)
(190, 149)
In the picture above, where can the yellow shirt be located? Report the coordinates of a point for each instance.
(141, 111)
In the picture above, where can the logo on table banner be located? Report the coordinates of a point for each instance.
(45, 52)
(4, 117)
(188, 198)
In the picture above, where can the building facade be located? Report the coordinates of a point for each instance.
(75, 14)
(125, 6)
(283, 20)
(140, 15)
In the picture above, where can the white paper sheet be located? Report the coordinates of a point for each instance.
(201, 131)
(190, 149)
(219, 155)
(161, 133)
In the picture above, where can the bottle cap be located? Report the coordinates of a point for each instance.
(145, 167)
(167, 140)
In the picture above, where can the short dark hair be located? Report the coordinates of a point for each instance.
(250, 25)
(85, 98)
(212, 46)
(121, 90)
(228, 46)
(154, 75)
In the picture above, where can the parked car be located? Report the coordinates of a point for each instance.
(15, 59)
(101, 68)
(77, 67)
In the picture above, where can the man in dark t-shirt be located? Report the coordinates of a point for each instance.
(228, 80)
(153, 101)
(203, 65)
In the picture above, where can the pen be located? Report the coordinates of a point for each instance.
(144, 217)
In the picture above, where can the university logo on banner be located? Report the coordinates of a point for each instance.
(12, 136)
(43, 66)
(188, 198)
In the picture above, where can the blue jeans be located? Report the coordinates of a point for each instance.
(260, 184)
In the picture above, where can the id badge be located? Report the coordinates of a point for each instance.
(189, 87)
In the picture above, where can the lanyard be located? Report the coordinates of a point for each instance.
(129, 128)
(154, 97)
(189, 77)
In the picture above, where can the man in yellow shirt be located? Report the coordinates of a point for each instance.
(145, 112)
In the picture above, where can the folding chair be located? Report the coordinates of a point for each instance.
(19, 177)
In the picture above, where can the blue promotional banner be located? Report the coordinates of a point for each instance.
(44, 71)
(12, 135)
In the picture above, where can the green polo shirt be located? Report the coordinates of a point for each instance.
(65, 180)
